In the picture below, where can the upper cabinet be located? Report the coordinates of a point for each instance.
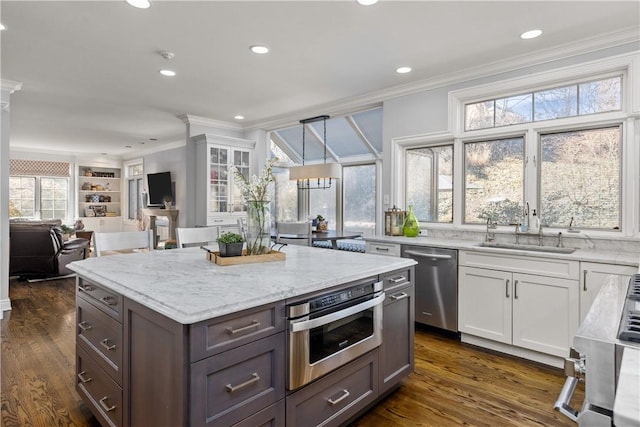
(218, 196)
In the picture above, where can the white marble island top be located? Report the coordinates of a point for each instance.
(183, 285)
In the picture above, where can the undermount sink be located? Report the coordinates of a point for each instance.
(531, 248)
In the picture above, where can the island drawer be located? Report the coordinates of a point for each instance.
(226, 332)
(238, 382)
(390, 249)
(102, 335)
(396, 278)
(334, 399)
(98, 389)
(108, 301)
(273, 416)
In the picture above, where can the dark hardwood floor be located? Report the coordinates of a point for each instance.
(453, 384)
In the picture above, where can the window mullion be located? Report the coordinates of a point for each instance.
(532, 169)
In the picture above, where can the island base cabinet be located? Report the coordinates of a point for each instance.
(101, 393)
(237, 382)
(337, 397)
(396, 350)
(273, 416)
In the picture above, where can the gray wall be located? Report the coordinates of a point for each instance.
(173, 161)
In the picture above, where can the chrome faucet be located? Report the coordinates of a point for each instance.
(490, 237)
(560, 244)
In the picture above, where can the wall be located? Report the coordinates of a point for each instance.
(172, 160)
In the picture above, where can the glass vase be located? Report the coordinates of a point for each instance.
(258, 231)
(410, 228)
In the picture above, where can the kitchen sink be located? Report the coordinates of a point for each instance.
(531, 248)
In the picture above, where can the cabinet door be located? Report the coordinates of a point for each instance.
(218, 179)
(396, 351)
(240, 159)
(545, 313)
(593, 276)
(484, 303)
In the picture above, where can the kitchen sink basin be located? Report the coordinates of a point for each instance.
(531, 248)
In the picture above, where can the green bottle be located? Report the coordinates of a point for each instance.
(410, 228)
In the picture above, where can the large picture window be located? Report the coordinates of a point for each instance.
(580, 175)
(38, 197)
(429, 183)
(359, 198)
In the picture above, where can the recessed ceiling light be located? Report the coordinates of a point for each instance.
(140, 4)
(261, 50)
(153, 139)
(168, 73)
(239, 117)
(2, 27)
(531, 34)
(128, 146)
(367, 2)
(403, 70)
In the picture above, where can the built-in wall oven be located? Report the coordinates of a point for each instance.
(329, 330)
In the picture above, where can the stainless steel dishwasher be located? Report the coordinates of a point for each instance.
(436, 282)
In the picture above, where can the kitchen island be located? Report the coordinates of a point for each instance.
(170, 338)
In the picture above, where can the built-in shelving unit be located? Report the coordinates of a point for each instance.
(99, 190)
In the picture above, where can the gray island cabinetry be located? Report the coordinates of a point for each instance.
(170, 339)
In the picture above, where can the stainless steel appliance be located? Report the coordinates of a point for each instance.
(329, 330)
(611, 327)
(436, 285)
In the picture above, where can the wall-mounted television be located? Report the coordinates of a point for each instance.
(159, 188)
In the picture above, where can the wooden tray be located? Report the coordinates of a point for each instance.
(245, 259)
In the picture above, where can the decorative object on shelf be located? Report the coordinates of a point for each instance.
(319, 176)
(254, 190)
(167, 202)
(86, 186)
(89, 212)
(99, 210)
(87, 172)
(394, 221)
(95, 198)
(230, 244)
(78, 225)
(410, 228)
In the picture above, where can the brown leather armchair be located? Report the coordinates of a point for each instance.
(38, 250)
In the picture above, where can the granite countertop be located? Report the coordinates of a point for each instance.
(589, 255)
(183, 285)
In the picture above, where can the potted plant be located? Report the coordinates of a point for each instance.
(67, 232)
(321, 223)
(230, 244)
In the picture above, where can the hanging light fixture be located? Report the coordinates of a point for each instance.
(317, 176)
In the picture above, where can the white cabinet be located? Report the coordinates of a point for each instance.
(218, 197)
(592, 278)
(500, 303)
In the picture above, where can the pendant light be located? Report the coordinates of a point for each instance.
(317, 176)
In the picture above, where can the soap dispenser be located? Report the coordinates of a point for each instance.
(535, 222)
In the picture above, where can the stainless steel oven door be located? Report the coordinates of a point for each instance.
(319, 345)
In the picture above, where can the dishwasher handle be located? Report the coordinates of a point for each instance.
(427, 255)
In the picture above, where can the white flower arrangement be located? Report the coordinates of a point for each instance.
(255, 188)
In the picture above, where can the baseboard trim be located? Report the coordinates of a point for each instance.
(546, 359)
(5, 305)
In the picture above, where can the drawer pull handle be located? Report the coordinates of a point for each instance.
(85, 326)
(86, 288)
(345, 394)
(584, 280)
(400, 296)
(109, 300)
(105, 406)
(254, 379)
(382, 249)
(105, 343)
(398, 279)
(82, 377)
(254, 325)
(515, 289)
(506, 287)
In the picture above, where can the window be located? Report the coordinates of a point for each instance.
(323, 202)
(359, 198)
(38, 197)
(135, 185)
(429, 183)
(590, 97)
(580, 176)
(285, 203)
(494, 180)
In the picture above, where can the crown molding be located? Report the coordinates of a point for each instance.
(373, 99)
(10, 86)
(204, 121)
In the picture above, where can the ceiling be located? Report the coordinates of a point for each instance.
(90, 77)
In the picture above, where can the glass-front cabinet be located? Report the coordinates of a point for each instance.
(219, 197)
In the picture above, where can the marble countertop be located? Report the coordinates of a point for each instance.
(589, 255)
(183, 285)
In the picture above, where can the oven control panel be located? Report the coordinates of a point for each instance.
(340, 297)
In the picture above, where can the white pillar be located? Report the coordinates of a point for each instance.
(6, 89)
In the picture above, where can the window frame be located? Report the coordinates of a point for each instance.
(37, 202)
(124, 198)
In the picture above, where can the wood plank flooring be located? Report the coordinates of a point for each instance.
(454, 384)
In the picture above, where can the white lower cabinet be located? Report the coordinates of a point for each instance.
(593, 276)
(522, 310)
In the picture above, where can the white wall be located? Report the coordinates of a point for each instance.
(172, 160)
